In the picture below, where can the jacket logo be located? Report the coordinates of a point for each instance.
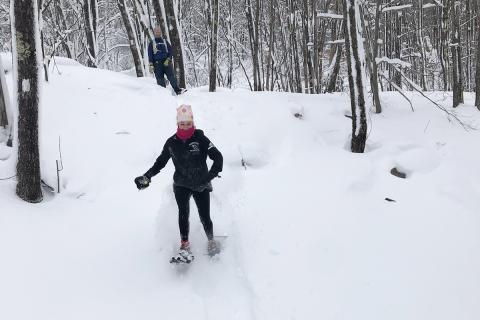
(194, 147)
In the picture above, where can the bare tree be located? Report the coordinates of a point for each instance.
(444, 56)
(229, 35)
(477, 74)
(90, 11)
(307, 47)
(291, 45)
(457, 56)
(212, 8)
(28, 165)
(3, 98)
(134, 45)
(176, 41)
(159, 8)
(252, 24)
(372, 53)
(6, 117)
(355, 61)
(418, 7)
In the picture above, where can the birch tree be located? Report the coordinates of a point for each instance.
(28, 165)
(356, 61)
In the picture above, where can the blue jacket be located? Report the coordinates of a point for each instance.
(164, 50)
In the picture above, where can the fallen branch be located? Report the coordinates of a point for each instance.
(450, 114)
(398, 89)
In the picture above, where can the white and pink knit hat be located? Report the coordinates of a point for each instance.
(184, 113)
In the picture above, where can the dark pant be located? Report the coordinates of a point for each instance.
(202, 199)
(162, 70)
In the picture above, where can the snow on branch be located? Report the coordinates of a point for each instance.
(429, 5)
(339, 41)
(383, 75)
(329, 15)
(395, 61)
(438, 3)
(397, 8)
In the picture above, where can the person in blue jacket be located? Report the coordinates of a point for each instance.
(160, 58)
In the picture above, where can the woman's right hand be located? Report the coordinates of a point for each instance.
(142, 182)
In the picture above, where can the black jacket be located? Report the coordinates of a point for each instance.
(190, 160)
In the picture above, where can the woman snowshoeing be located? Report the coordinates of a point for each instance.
(189, 148)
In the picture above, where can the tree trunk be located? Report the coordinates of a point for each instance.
(159, 8)
(90, 10)
(253, 34)
(176, 41)
(319, 45)
(28, 165)
(316, 57)
(397, 44)
(213, 45)
(374, 75)
(60, 19)
(269, 84)
(355, 61)
(420, 43)
(308, 47)
(445, 61)
(293, 46)
(258, 44)
(42, 39)
(3, 98)
(144, 29)
(6, 115)
(477, 74)
(332, 80)
(230, 45)
(134, 47)
(457, 57)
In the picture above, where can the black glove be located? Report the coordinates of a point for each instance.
(142, 182)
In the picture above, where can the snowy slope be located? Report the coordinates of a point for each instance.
(310, 235)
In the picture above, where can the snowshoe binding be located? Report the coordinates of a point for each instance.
(184, 254)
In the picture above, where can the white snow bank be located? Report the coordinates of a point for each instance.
(6, 61)
(310, 234)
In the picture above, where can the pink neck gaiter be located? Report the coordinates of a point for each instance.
(185, 134)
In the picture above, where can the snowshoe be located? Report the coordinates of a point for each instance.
(184, 254)
(213, 248)
(182, 90)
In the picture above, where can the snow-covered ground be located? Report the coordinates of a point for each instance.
(310, 234)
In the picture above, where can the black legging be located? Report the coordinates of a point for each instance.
(202, 199)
